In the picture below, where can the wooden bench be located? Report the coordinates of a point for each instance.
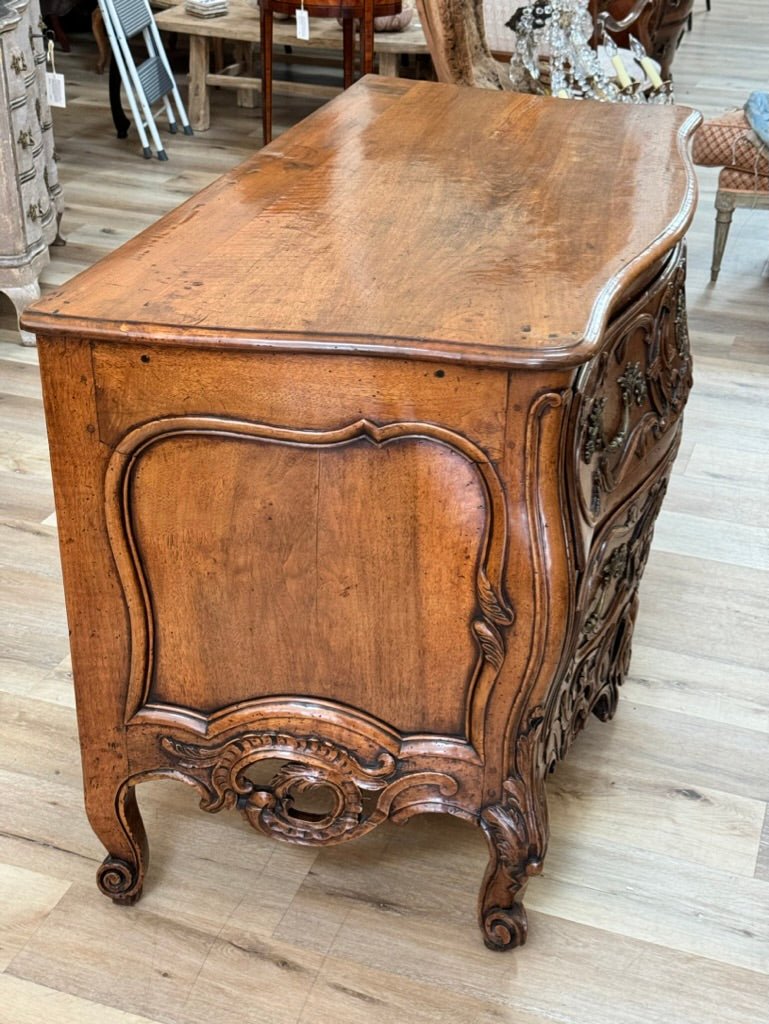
(241, 25)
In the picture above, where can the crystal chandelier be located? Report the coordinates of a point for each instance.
(553, 56)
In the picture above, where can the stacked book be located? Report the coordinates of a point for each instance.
(206, 8)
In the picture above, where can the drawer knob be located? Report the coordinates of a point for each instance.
(25, 139)
(35, 211)
(18, 63)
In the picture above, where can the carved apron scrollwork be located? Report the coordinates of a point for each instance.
(311, 766)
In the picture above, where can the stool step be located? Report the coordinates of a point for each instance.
(155, 80)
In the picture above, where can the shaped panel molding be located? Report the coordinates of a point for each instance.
(350, 537)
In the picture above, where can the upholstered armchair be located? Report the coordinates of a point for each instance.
(727, 141)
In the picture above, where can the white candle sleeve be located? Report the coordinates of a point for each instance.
(622, 76)
(651, 71)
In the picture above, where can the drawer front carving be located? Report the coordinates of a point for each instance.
(311, 563)
(607, 602)
(25, 139)
(633, 397)
(18, 63)
(35, 204)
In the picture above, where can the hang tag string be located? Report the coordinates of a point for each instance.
(51, 61)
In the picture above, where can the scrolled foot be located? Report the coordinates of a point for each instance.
(606, 704)
(119, 880)
(505, 928)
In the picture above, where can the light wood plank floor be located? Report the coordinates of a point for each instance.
(654, 904)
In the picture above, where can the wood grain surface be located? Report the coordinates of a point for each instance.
(528, 247)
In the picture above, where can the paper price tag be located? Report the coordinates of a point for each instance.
(54, 87)
(302, 24)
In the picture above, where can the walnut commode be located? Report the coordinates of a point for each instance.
(357, 457)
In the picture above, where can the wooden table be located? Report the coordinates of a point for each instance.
(357, 457)
(350, 12)
(241, 25)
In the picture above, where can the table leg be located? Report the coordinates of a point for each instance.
(367, 38)
(348, 50)
(22, 296)
(265, 34)
(102, 42)
(389, 64)
(244, 55)
(199, 108)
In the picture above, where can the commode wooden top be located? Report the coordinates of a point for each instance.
(413, 219)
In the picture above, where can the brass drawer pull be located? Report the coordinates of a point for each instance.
(18, 63)
(25, 139)
(35, 211)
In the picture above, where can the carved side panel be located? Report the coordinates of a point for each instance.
(633, 397)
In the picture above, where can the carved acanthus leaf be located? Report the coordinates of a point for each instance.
(492, 604)
(491, 643)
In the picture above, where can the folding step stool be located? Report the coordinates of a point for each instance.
(150, 81)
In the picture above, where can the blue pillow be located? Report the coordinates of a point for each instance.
(757, 112)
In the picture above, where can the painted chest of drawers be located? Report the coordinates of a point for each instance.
(30, 194)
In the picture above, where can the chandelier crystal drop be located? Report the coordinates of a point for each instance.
(553, 56)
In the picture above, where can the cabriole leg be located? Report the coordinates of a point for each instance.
(118, 824)
(502, 917)
(516, 830)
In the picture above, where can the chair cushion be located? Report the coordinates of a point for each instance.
(728, 141)
(743, 181)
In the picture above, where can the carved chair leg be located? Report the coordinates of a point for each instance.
(118, 824)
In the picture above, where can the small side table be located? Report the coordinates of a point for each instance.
(347, 10)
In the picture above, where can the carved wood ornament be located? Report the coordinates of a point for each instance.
(647, 395)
